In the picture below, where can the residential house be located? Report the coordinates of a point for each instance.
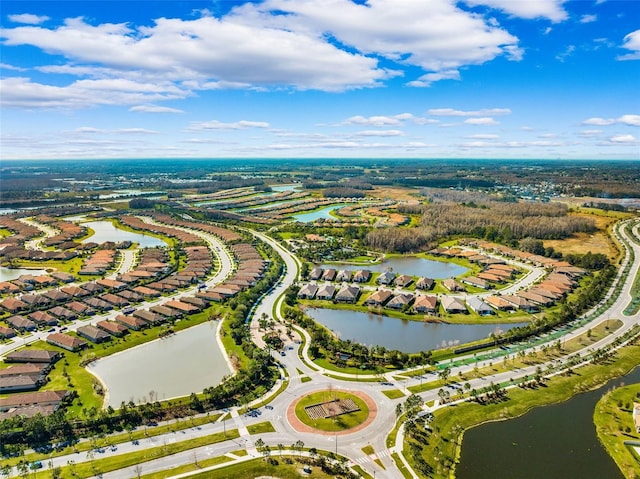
(17, 384)
(475, 281)
(453, 305)
(401, 301)
(499, 303)
(62, 313)
(20, 323)
(65, 341)
(362, 276)
(316, 273)
(13, 305)
(478, 306)
(521, 303)
(183, 308)
(386, 277)
(348, 294)
(426, 304)
(379, 298)
(32, 356)
(452, 285)
(131, 322)
(43, 398)
(308, 291)
(343, 275)
(403, 280)
(93, 334)
(7, 333)
(326, 292)
(112, 327)
(43, 318)
(425, 283)
(329, 274)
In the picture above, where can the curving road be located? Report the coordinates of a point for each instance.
(349, 444)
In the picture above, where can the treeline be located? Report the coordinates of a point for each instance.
(342, 192)
(605, 206)
(494, 221)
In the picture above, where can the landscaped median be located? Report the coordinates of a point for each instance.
(94, 467)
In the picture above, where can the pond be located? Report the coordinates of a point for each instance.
(310, 216)
(7, 274)
(410, 265)
(175, 366)
(559, 440)
(106, 231)
(394, 333)
(126, 193)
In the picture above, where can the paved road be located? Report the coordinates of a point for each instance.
(348, 445)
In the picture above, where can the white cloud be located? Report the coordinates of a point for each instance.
(218, 125)
(623, 139)
(28, 18)
(481, 121)
(599, 121)
(22, 92)
(154, 109)
(6, 66)
(588, 18)
(483, 137)
(430, 78)
(589, 133)
(383, 120)
(631, 42)
(379, 133)
(550, 9)
(454, 112)
(120, 131)
(631, 120)
(562, 56)
(511, 144)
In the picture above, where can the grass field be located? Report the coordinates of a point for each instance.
(614, 425)
(338, 423)
(393, 393)
(580, 243)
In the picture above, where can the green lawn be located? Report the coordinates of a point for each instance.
(614, 425)
(393, 393)
(261, 428)
(338, 423)
(259, 467)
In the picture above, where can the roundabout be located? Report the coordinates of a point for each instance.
(332, 412)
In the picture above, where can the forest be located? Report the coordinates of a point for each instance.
(491, 220)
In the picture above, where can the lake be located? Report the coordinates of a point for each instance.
(559, 440)
(314, 215)
(7, 274)
(410, 265)
(394, 333)
(106, 231)
(186, 362)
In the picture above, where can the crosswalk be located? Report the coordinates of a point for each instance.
(373, 457)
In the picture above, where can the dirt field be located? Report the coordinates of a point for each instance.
(598, 242)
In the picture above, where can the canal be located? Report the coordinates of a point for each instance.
(556, 441)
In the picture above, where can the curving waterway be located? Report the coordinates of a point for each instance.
(556, 441)
(175, 366)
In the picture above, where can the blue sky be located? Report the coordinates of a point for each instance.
(320, 78)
